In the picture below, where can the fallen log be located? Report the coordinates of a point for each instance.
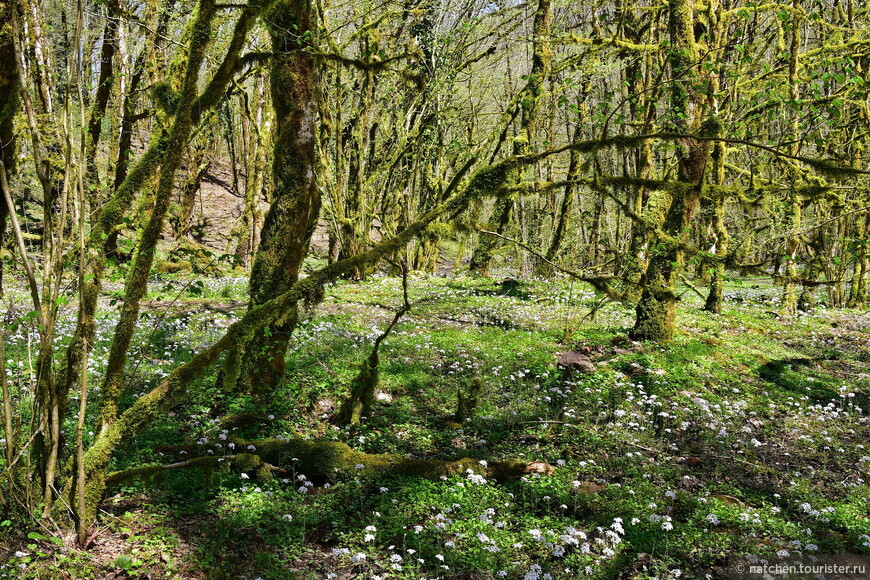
(320, 461)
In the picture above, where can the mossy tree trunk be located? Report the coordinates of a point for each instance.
(137, 278)
(817, 253)
(101, 98)
(197, 168)
(794, 216)
(290, 221)
(713, 303)
(789, 276)
(645, 90)
(720, 236)
(360, 132)
(255, 128)
(9, 87)
(656, 310)
(858, 287)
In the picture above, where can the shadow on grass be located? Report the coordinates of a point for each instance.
(790, 375)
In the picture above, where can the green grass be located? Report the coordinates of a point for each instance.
(745, 435)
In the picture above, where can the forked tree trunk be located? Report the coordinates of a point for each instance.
(258, 364)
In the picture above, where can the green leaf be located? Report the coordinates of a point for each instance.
(124, 562)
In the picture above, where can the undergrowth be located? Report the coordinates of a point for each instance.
(746, 435)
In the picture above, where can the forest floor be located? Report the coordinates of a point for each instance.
(746, 436)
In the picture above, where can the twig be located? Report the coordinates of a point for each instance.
(647, 449)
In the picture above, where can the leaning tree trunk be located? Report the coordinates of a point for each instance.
(258, 363)
(656, 311)
(137, 278)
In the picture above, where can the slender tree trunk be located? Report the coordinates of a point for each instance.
(720, 236)
(566, 208)
(104, 89)
(794, 216)
(51, 149)
(542, 57)
(720, 249)
(198, 167)
(247, 231)
(9, 88)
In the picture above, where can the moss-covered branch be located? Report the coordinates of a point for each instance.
(323, 461)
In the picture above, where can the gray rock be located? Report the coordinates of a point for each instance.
(576, 361)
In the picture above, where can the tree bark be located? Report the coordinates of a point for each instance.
(290, 221)
(656, 311)
(9, 87)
